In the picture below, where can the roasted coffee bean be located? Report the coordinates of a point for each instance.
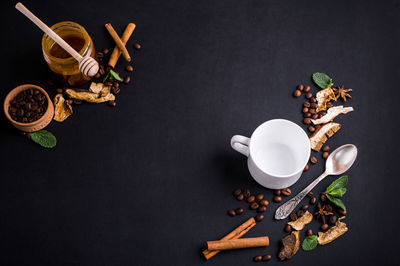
(326, 148)
(306, 104)
(115, 90)
(299, 213)
(77, 102)
(293, 216)
(332, 219)
(231, 213)
(313, 100)
(277, 192)
(307, 121)
(257, 258)
(108, 83)
(246, 192)
(305, 110)
(98, 75)
(261, 209)
(277, 199)
(239, 211)
(240, 197)
(259, 217)
(314, 116)
(322, 113)
(314, 105)
(112, 103)
(300, 87)
(306, 168)
(251, 199)
(266, 257)
(136, 46)
(286, 191)
(328, 207)
(288, 228)
(310, 194)
(325, 154)
(101, 71)
(313, 159)
(115, 84)
(307, 115)
(254, 205)
(59, 90)
(259, 196)
(329, 105)
(69, 101)
(264, 202)
(304, 207)
(50, 82)
(309, 232)
(342, 212)
(322, 198)
(313, 200)
(237, 192)
(129, 68)
(108, 69)
(307, 88)
(297, 93)
(324, 227)
(99, 54)
(311, 128)
(308, 95)
(105, 51)
(312, 111)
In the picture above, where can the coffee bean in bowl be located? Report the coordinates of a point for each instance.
(28, 107)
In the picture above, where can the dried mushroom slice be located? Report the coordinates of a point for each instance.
(321, 135)
(100, 89)
(332, 113)
(333, 233)
(291, 244)
(302, 221)
(324, 96)
(89, 96)
(62, 108)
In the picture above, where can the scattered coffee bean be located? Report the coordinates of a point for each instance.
(115, 84)
(77, 102)
(286, 191)
(300, 87)
(293, 216)
(277, 192)
(313, 159)
(108, 83)
(307, 88)
(266, 257)
(259, 196)
(277, 199)
(307, 115)
(59, 90)
(306, 168)
(307, 121)
(342, 212)
(305, 110)
(257, 258)
(240, 197)
(99, 54)
(322, 113)
(313, 200)
(98, 75)
(328, 207)
(28, 135)
(259, 217)
(231, 213)
(102, 72)
(314, 116)
(308, 95)
(322, 198)
(237, 192)
(261, 209)
(309, 232)
(306, 104)
(313, 100)
(332, 219)
(239, 211)
(314, 105)
(304, 207)
(326, 148)
(324, 227)
(112, 103)
(69, 101)
(115, 90)
(312, 111)
(310, 194)
(288, 228)
(105, 51)
(108, 69)
(251, 199)
(329, 105)
(311, 128)
(127, 79)
(136, 46)
(246, 192)
(297, 93)
(299, 213)
(325, 154)
(254, 205)
(264, 202)
(129, 68)
(50, 82)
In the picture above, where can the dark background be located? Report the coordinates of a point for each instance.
(149, 181)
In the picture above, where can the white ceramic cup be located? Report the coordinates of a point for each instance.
(277, 151)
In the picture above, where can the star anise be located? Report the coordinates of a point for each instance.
(322, 212)
(341, 92)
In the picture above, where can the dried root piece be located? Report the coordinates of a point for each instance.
(333, 233)
(321, 135)
(324, 96)
(62, 108)
(290, 247)
(89, 96)
(332, 113)
(302, 221)
(100, 88)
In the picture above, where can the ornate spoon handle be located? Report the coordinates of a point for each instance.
(285, 209)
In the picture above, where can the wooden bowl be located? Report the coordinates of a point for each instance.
(35, 125)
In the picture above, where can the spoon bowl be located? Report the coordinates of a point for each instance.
(341, 159)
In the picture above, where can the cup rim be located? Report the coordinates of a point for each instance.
(303, 133)
(19, 89)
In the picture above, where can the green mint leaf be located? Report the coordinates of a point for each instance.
(309, 243)
(106, 77)
(114, 75)
(338, 192)
(322, 80)
(338, 183)
(336, 201)
(44, 138)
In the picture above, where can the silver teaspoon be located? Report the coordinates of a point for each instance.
(338, 162)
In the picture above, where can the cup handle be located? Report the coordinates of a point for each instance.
(241, 144)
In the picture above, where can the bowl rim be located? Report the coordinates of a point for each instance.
(19, 89)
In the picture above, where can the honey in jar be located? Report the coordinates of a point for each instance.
(61, 63)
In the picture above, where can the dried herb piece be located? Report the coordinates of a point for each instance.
(44, 138)
(332, 113)
(290, 247)
(333, 233)
(62, 108)
(89, 96)
(302, 221)
(323, 97)
(319, 137)
(309, 243)
(322, 80)
(341, 92)
(322, 212)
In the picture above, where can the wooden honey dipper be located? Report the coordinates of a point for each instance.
(87, 65)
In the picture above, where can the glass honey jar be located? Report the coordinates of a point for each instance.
(61, 63)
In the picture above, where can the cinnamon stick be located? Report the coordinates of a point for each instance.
(118, 42)
(262, 241)
(235, 234)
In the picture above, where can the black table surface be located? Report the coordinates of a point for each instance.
(150, 181)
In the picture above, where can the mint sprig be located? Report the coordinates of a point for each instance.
(44, 138)
(309, 243)
(336, 190)
(322, 80)
(112, 75)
